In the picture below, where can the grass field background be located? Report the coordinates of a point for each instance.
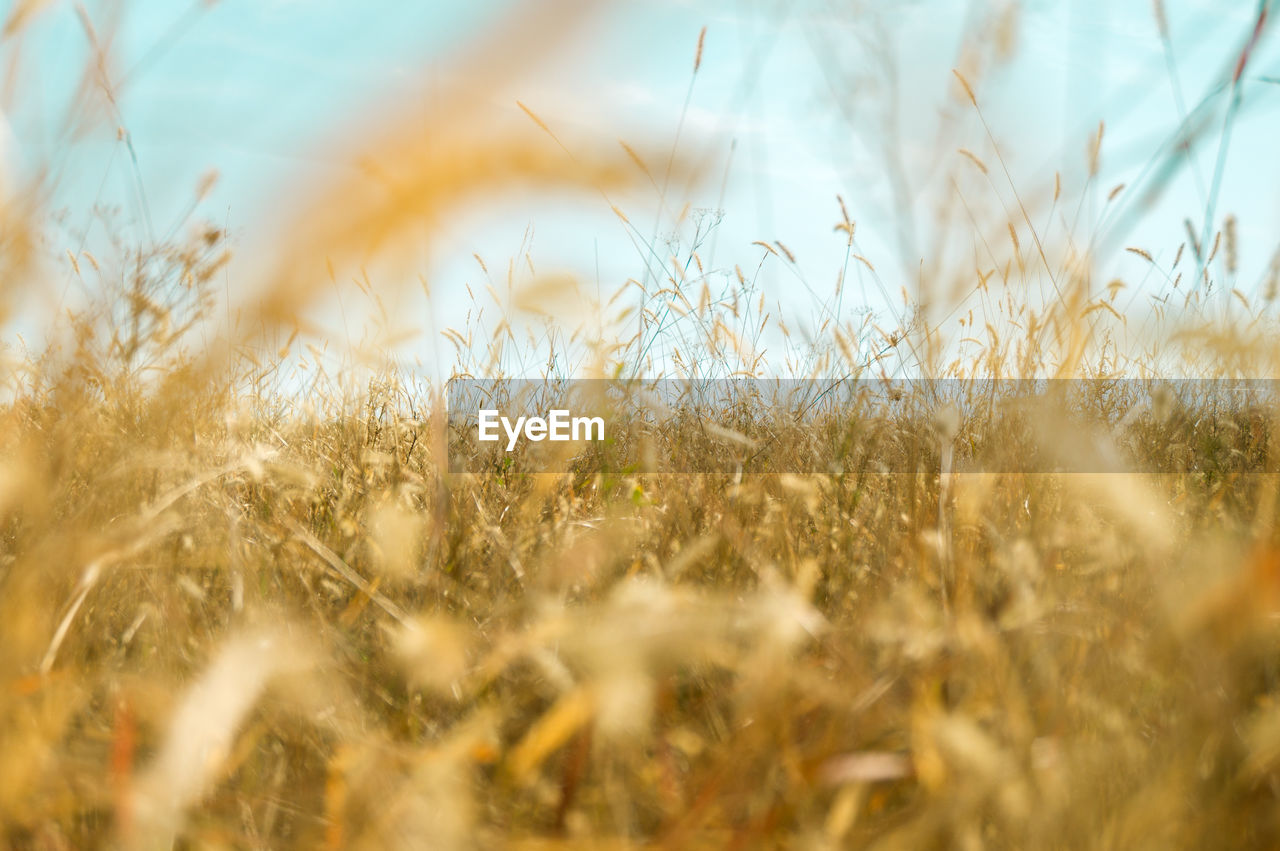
(244, 603)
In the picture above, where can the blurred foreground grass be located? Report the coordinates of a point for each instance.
(232, 621)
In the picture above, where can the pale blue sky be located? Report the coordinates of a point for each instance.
(255, 89)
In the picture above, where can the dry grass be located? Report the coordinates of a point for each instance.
(238, 612)
(265, 629)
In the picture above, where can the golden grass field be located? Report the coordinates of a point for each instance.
(243, 609)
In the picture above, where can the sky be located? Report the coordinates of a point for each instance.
(792, 105)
